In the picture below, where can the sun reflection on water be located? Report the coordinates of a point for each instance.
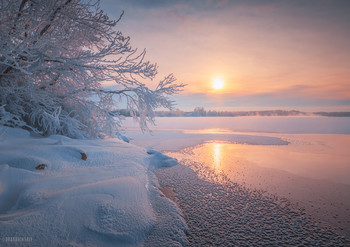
(312, 170)
(311, 156)
(217, 156)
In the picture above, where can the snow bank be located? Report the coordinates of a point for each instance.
(90, 193)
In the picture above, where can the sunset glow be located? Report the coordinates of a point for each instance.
(280, 54)
(218, 84)
(175, 123)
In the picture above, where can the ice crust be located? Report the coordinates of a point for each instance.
(228, 214)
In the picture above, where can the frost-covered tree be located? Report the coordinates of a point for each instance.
(199, 111)
(55, 56)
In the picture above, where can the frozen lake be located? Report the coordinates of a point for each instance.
(330, 125)
(312, 147)
(303, 159)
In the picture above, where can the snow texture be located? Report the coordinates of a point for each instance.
(222, 213)
(160, 160)
(110, 199)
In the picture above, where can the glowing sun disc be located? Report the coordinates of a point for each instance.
(218, 84)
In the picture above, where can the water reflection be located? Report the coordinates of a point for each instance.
(313, 170)
(312, 156)
(220, 157)
(217, 156)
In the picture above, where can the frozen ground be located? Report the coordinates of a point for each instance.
(227, 214)
(90, 193)
(327, 202)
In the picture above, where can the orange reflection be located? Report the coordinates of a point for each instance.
(312, 156)
(217, 156)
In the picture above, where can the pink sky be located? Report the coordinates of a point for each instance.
(270, 54)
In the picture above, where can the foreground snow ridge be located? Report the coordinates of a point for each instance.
(108, 198)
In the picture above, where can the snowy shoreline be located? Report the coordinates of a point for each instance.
(110, 199)
(113, 198)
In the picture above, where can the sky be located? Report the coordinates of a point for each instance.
(270, 54)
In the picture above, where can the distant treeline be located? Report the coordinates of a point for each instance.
(201, 112)
(333, 114)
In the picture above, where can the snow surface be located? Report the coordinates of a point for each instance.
(110, 199)
(176, 133)
(228, 214)
(113, 197)
(175, 140)
(295, 125)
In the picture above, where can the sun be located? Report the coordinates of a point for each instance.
(218, 84)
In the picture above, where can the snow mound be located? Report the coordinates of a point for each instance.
(110, 198)
(28, 162)
(123, 137)
(160, 160)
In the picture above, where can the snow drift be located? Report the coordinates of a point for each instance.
(110, 199)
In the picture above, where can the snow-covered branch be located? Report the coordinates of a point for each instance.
(55, 56)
